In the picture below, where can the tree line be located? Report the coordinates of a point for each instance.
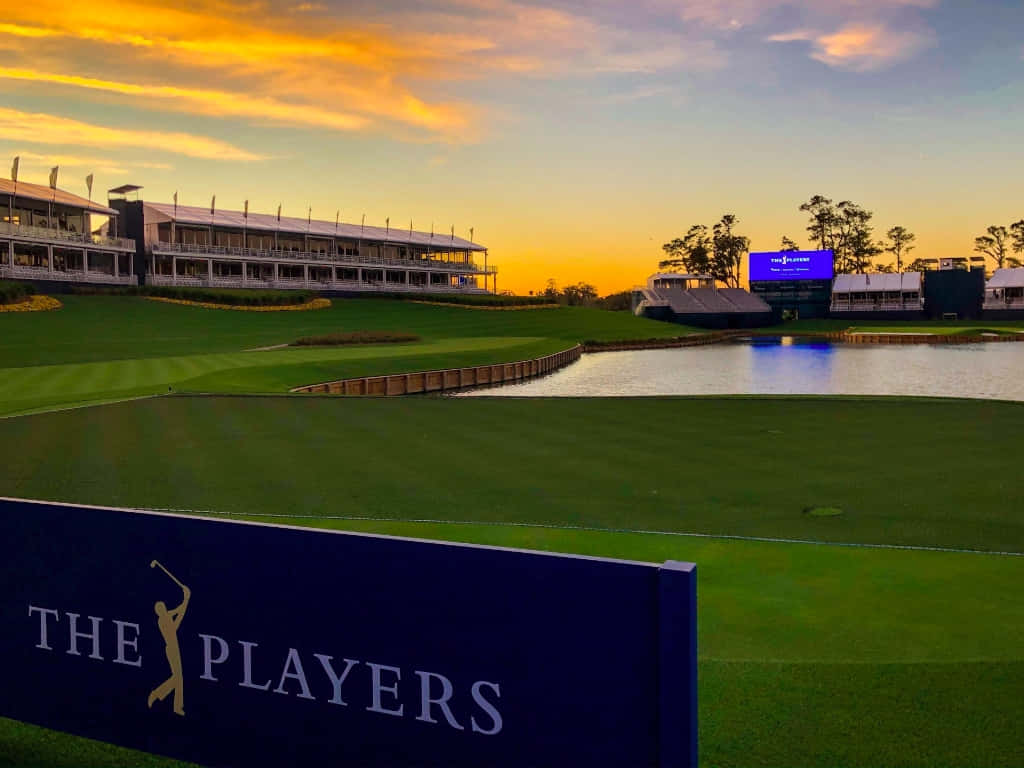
(845, 228)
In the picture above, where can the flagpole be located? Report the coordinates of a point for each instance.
(88, 227)
(53, 195)
(14, 178)
(174, 218)
(245, 226)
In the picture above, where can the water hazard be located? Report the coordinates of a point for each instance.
(789, 365)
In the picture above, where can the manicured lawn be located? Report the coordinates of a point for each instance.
(810, 654)
(710, 465)
(103, 328)
(101, 349)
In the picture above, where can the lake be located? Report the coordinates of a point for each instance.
(788, 365)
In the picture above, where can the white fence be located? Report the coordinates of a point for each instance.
(308, 285)
(66, 276)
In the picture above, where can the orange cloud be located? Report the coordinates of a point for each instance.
(207, 102)
(860, 47)
(240, 48)
(42, 128)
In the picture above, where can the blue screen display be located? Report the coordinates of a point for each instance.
(791, 265)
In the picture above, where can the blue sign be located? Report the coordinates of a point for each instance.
(791, 265)
(231, 643)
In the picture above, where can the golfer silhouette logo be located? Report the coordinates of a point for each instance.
(168, 622)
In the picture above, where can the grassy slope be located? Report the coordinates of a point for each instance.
(810, 655)
(736, 466)
(99, 349)
(97, 328)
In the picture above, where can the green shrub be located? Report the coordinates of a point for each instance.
(13, 293)
(355, 337)
(231, 296)
(467, 299)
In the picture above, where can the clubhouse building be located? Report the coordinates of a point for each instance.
(190, 246)
(45, 235)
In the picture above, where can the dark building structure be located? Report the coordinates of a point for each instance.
(792, 299)
(954, 294)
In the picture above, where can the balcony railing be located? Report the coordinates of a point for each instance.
(1004, 302)
(309, 285)
(66, 276)
(909, 305)
(64, 237)
(258, 254)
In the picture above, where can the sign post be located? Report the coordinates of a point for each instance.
(233, 643)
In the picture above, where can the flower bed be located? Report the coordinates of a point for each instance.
(34, 303)
(355, 337)
(309, 305)
(499, 308)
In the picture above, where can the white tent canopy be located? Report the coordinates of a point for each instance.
(1007, 278)
(878, 283)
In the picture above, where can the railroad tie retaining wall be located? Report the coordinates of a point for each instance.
(447, 379)
(926, 338)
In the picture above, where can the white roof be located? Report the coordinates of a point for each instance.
(59, 196)
(1007, 278)
(189, 214)
(677, 276)
(911, 281)
(882, 282)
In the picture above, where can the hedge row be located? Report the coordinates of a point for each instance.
(473, 299)
(355, 337)
(231, 296)
(13, 293)
(234, 297)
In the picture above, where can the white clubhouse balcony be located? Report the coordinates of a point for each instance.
(63, 238)
(229, 253)
(885, 292)
(1005, 289)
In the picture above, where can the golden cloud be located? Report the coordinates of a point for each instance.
(202, 101)
(860, 47)
(42, 128)
(248, 50)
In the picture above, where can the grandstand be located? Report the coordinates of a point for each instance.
(192, 246)
(694, 300)
(1004, 291)
(878, 293)
(46, 235)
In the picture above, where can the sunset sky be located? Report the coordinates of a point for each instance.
(575, 137)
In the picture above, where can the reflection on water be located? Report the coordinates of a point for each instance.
(790, 365)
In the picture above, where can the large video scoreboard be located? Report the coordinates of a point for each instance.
(791, 265)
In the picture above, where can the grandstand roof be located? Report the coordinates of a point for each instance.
(188, 214)
(59, 196)
(883, 282)
(677, 276)
(1007, 278)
